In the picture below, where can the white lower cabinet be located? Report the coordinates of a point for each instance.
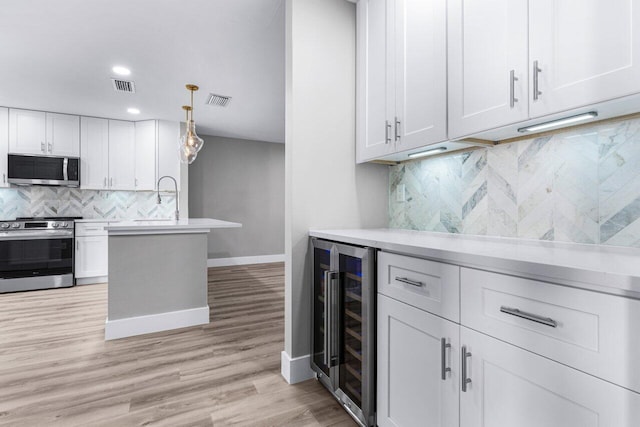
(92, 252)
(418, 375)
(513, 387)
(526, 353)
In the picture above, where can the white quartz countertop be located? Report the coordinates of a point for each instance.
(168, 226)
(598, 267)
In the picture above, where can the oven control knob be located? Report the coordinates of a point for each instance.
(64, 225)
(55, 225)
(4, 225)
(15, 225)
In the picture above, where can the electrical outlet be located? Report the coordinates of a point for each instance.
(400, 196)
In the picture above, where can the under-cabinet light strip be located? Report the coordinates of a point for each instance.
(561, 122)
(428, 152)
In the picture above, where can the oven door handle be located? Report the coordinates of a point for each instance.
(12, 237)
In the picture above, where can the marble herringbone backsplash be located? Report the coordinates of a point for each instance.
(578, 186)
(62, 201)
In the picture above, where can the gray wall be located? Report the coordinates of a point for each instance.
(241, 181)
(324, 186)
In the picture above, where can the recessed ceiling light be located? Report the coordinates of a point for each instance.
(133, 111)
(121, 71)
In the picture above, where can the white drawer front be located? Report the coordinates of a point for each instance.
(587, 330)
(428, 285)
(91, 228)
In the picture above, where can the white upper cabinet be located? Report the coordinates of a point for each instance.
(420, 58)
(94, 150)
(513, 61)
(37, 132)
(168, 159)
(63, 135)
(587, 51)
(27, 132)
(375, 89)
(488, 71)
(4, 145)
(145, 155)
(122, 161)
(401, 90)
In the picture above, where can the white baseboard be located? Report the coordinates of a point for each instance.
(244, 260)
(140, 325)
(297, 369)
(92, 280)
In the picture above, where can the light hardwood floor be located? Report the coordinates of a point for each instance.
(56, 368)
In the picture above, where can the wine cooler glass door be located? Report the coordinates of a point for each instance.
(352, 331)
(321, 268)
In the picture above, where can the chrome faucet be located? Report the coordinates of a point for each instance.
(175, 183)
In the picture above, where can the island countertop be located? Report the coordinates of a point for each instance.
(168, 226)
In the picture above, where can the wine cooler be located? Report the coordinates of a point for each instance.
(343, 325)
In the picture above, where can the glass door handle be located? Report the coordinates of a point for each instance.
(327, 323)
(330, 317)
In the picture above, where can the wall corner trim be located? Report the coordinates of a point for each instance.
(297, 369)
(245, 260)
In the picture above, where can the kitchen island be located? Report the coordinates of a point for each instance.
(158, 275)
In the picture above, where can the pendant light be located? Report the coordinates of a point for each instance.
(190, 142)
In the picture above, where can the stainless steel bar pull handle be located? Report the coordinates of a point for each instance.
(512, 88)
(443, 358)
(529, 316)
(4, 178)
(387, 132)
(50, 147)
(105, 182)
(397, 130)
(465, 379)
(334, 281)
(42, 146)
(536, 70)
(409, 281)
(327, 298)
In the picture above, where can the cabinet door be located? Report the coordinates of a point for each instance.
(4, 145)
(420, 73)
(587, 50)
(168, 159)
(27, 132)
(487, 44)
(411, 388)
(94, 153)
(63, 135)
(146, 155)
(513, 387)
(375, 83)
(92, 256)
(122, 160)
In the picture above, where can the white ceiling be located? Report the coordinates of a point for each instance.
(57, 56)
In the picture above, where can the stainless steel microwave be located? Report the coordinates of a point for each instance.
(44, 170)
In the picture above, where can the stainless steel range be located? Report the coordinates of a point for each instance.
(36, 253)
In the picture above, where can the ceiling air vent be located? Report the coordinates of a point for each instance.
(123, 86)
(218, 100)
